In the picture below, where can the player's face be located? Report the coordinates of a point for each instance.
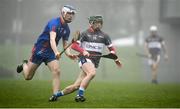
(69, 16)
(97, 25)
(154, 33)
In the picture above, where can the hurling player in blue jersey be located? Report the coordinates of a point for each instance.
(92, 42)
(45, 49)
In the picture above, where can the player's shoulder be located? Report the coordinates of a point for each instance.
(158, 37)
(105, 34)
(54, 21)
(85, 32)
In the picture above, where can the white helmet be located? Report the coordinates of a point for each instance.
(153, 28)
(66, 9)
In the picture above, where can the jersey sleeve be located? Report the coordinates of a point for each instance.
(109, 44)
(108, 41)
(52, 25)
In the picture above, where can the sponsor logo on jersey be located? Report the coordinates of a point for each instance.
(154, 45)
(90, 46)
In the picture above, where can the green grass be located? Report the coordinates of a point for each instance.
(112, 87)
(19, 93)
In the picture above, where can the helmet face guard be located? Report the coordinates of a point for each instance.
(67, 9)
(96, 22)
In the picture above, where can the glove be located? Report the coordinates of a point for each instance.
(76, 36)
(118, 63)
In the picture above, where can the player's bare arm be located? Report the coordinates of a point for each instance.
(68, 50)
(53, 44)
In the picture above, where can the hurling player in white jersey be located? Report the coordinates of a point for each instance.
(154, 44)
(91, 42)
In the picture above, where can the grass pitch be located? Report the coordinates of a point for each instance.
(23, 94)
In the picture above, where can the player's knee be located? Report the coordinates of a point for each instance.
(56, 71)
(92, 74)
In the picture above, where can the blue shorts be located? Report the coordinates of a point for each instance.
(40, 55)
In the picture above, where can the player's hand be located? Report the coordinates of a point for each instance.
(58, 56)
(76, 36)
(118, 63)
(85, 53)
(73, 57)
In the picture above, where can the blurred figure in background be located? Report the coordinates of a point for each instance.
(45, 49)
(91, 42)
(154, 44)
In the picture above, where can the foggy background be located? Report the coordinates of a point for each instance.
(22, 21)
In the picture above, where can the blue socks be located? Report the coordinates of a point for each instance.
(59, 93)
(81, 91)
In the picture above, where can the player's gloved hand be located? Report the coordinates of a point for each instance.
(72, 56)
(118, 63)
(76, 36)
(58, 56)
(85, 53)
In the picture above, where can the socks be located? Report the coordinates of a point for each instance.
(81, 91)
(59, 93)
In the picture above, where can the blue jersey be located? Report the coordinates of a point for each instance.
(42, 48)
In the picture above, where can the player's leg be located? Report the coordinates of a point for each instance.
(54, 68)
(71, 88)
(154, 68)
(90, 72)
(30, 66)
(28, 69)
